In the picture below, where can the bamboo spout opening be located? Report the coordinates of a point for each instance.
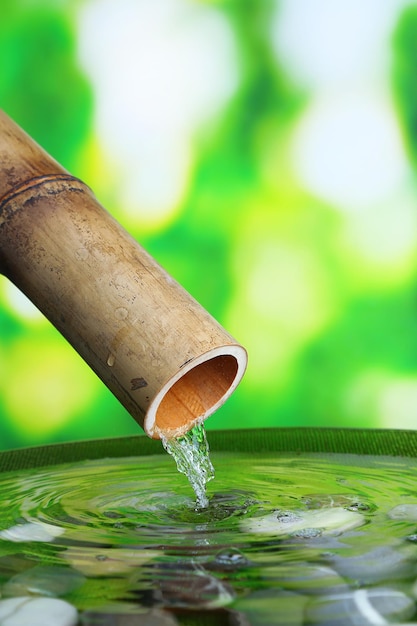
(195, 394)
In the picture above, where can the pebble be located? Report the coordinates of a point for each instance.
(194, 590)
(45, 580)
(352, 503)
(32, 531)
(27, 611)
(333, 521)
(308, 579)
(237, 618)
(154, 617)
(363, 607)
(12, 564)
(406, 512)
(269, 607)
(414, 589)
(376, 566)
(107, 561)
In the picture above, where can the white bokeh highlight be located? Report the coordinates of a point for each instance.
(347, 149)
(158, 69)
(333, 45)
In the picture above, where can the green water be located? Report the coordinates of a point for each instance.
(282, 540)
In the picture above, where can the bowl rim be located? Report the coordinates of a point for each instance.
(296, 441)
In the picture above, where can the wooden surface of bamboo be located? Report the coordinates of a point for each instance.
(162, 355)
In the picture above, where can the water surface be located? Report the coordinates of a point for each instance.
(282, 540)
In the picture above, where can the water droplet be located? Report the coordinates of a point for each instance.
(307, 533)
(231, 558)
(359, 506)
(111, 360)
(288, 517)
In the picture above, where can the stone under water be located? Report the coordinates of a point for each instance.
(28, 611)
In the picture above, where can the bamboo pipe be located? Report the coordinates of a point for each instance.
(163, 356)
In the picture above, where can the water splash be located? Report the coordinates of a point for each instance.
(191, 454)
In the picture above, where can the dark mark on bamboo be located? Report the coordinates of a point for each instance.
(138, 383)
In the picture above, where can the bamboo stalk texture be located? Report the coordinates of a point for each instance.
(162, 355)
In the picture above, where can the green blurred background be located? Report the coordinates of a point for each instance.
(265, 153)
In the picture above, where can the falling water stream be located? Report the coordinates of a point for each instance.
(191, 455)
